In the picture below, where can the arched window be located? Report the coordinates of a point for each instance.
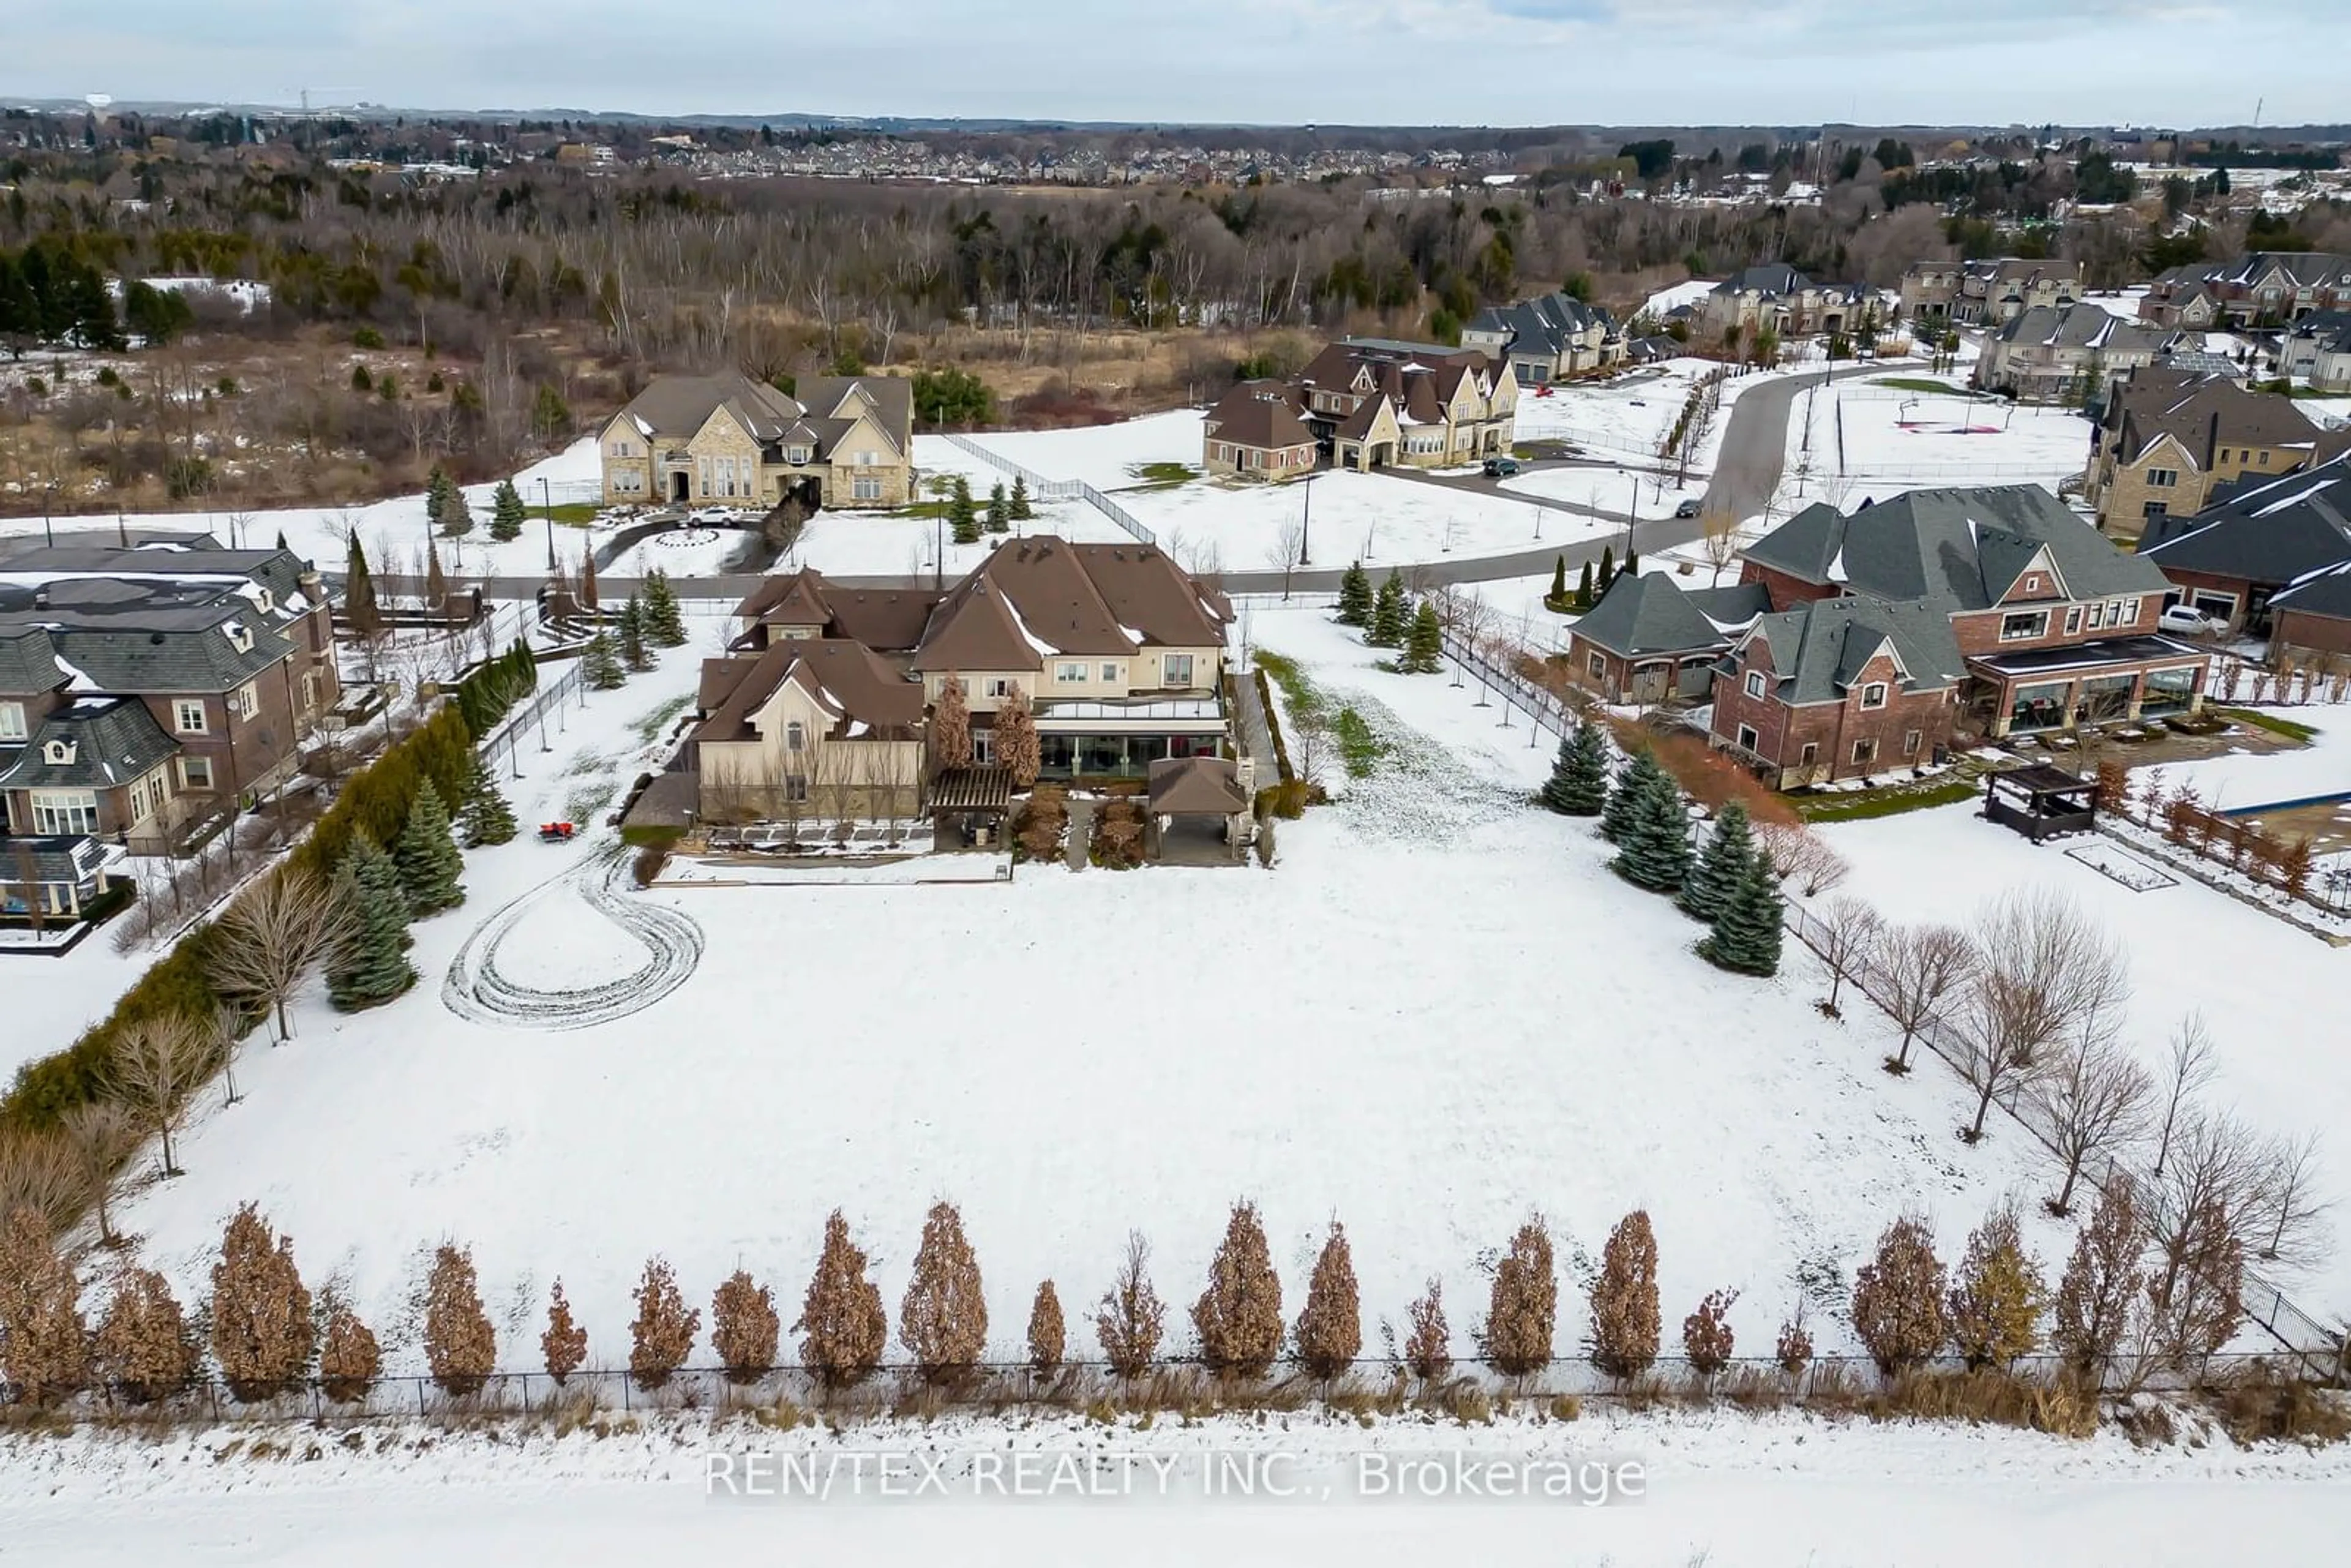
(795, 736)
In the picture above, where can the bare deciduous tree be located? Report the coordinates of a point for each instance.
(1922, 965)
(159, 1064)
(2095, 1097)
(2047, 971)
(1720, 536)
(1849, 933)
(1130, 1317)
(101, 1135)
(1281, 555)
(272, 935)
(2292, 1184)
(2190, 1068)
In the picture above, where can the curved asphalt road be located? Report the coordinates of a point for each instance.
(1746, 474)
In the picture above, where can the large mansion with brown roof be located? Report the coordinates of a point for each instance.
(826, 696)
(727, 440)
(1365, 403)
(2169, 439)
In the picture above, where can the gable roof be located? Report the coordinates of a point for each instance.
(1820, 648)
(1648, 612)
(1768, 278)
(2203, 414)
(889, 619)
(1964, 546)
(678, 406)
(1038, 597)
(832, 404)
(2326, 591)
(855, 688)
(2302, 268)
(2081, 325)
(115, 741)
(1261, 414)
(1543, 324)
(2273, 532)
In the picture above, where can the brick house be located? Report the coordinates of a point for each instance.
(725, 439)
(2044, 625)
(1840, 688)
(2257, 289)
(2314, 614)
(1650, 640)
(2260, 537)
(145, 692)
(2168, 439)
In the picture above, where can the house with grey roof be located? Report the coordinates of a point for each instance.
(727, 440)
(145, 690)
(2317, 351)
(1776, 298)
(2169, 439)
(2312, 614)
(2068, 353)
(1996, 611)
(1650, 640)
(2259, 288)
(2232, 559)
(1993, 291)
(1550, 337)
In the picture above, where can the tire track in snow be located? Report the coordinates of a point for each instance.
(477, 989)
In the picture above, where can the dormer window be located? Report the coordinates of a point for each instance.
(797, 454)
(57, 752)
(265, 600)
(240, 639)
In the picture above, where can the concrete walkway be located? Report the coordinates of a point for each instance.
(1255, 732)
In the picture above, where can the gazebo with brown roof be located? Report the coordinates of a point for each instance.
(1198, 787)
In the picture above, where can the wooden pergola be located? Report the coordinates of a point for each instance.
(2041, 800)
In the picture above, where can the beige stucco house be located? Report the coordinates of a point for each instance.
(727, 440)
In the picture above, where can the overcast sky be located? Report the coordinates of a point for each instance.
(1455, 62)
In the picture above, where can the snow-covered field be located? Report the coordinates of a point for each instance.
(1722, 1490)
(1445, 1013)
(2266, 990)
(1896, 439)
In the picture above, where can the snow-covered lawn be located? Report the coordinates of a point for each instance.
(1104, 456)
(1722, 1490)
(2267, 991)
(1438, 1012)
(1896, 439)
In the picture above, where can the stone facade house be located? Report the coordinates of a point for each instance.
(2262, 288)
(1373, 402)
(145, 692)
(1776, 298)
(1999, 610)
(1990, 292)
(2069, 354)
(1552, 338)
(2167, 440)
(1257, 432)
(2257, 538)
(1117, 652)
(727, 440)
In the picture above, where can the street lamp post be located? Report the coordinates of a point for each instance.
(1305, 522)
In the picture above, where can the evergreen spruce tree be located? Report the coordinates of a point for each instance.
(1746, 937)
(372, 966)
(1423, 642)
(1632, 562)
(485, 818)
(281, 540)
(664, 624)
(1633, 780)
(427, 855)
(358, 593)
(999, 510)
(1655, 852)
(1607, 569)
(1729, 849)
(633, 637)
(1355, 596)
(1388, 613)
(601, 664)
(437, 491)
(1584, 588)
(456, 517)
(1558, 579)
(963, 519)
(1021, 509)
(1578, 785)
(506, 512)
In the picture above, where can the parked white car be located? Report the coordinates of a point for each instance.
(2194, 623)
